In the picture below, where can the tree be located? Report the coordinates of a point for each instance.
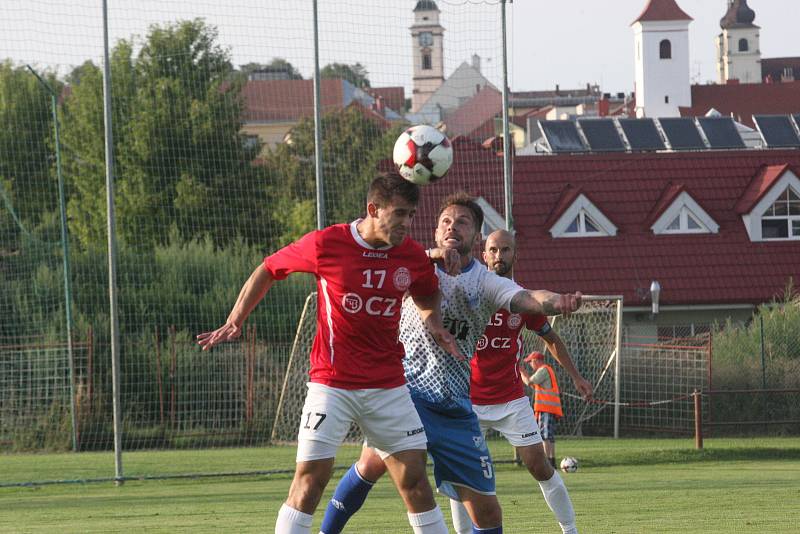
(277, 66)
(355, 74)
(352, 145)
(179, 158)
(27, 153)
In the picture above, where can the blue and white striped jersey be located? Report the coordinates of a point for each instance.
(468, 300)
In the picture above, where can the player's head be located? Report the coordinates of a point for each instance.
(536, 359)
(500, 252)
(459, 223)
(391, 205)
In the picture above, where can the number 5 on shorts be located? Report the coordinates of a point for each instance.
(486, 466)
(320, 418)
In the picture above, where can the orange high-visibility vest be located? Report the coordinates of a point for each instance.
(548, 400)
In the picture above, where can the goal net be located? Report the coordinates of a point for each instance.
(592, 338)
(590, 335)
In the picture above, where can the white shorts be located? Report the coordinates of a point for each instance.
(387, 418)
(514, 420)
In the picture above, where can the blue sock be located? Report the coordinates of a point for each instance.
(350, 494)
(495, 530)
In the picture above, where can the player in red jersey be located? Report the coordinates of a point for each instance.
(497, 393)
(363, 269)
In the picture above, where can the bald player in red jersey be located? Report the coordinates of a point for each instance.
(363, 270)
(498, 396)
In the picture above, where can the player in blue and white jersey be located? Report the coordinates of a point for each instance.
(439, 383)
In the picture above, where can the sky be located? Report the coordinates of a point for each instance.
(565, 42)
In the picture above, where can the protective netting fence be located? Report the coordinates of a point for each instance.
(213, 139)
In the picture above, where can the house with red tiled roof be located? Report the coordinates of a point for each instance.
(273, 107)
(742, 101)
(719, 230)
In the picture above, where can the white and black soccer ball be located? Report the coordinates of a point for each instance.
(422, 154)
(569, 464)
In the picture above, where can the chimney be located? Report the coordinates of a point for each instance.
(476, 62)
(603, 106)
(558, 90)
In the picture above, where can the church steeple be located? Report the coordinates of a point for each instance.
(661, 40)
(739, 15)
(738, 50)
(427, 37)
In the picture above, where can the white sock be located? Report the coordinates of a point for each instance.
(461, 520)
(291, 521)
(430, 522)
(557, 498)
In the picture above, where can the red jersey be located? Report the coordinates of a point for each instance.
(495, 376)
(359, 295)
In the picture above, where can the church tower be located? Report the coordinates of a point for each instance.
(427, 42)
(661, 38)
(738, 49)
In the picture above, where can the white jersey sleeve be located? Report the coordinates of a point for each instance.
(499, 290)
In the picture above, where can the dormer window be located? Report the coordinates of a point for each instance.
(684, 216)
(665, 49)
(583, 219)
(782, 218)
(770, 207)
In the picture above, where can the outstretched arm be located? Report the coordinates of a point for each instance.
(545, 302)
(559, 351)
(429, 311)
(250, 295)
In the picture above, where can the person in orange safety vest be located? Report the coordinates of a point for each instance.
(546, 402)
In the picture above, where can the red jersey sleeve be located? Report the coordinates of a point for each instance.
(426, 282)
(298, 257)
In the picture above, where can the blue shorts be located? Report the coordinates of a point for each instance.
(459, 452)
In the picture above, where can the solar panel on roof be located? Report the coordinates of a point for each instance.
(562, 136)
(682, 133)
(642, 134)
(602, 135)
(721, 132)
(777, 130)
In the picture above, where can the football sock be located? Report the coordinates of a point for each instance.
(430, 522)
(493, 530)
(557, 498)
(350, 494)
(462, 523)
(291, 521)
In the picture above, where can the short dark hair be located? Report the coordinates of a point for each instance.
(462, 198)
(390, 184)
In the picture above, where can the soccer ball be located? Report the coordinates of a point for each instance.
(422, 154)
(569, 464)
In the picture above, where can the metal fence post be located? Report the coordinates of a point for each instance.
(112, 253)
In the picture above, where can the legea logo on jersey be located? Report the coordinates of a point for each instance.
(483, 342)
(352, 302)
(514, 320)
(401, 278)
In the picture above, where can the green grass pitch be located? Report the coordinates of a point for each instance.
(622, 486)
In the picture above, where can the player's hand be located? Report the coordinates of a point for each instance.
(446, 340)
(584, 388)
(568, 303)
(226, 332)
(447, 258)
